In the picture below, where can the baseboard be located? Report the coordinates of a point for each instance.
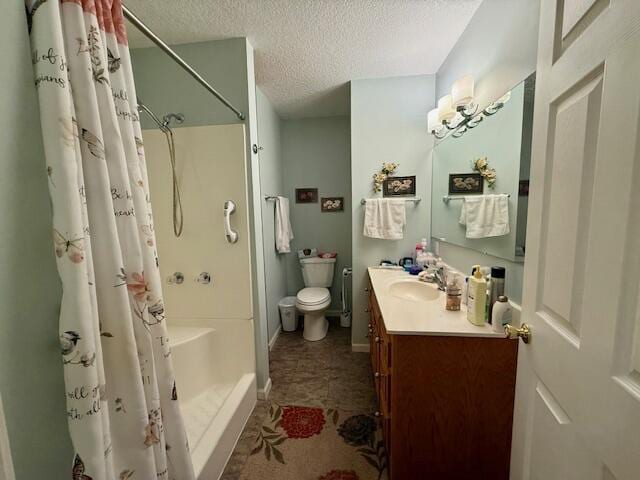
(263, 393)
(360, 347)
(274, 339)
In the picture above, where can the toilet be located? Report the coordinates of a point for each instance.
(314, 300)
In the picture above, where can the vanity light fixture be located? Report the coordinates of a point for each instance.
(457, 112)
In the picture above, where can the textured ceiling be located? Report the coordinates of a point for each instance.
(306, 51)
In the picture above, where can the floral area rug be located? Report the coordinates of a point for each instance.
(308, 443)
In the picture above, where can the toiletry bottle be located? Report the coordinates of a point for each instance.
(465, 290)
(486, 273)
(417, 252)
(502, 314)
(496, 288)
(477, 298)
(454, 295)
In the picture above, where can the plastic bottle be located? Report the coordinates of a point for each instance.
(502, 314)
(431, 259)
(496, 288)
(465, 290)
(417, 252)
(477, 297)
(486, 272)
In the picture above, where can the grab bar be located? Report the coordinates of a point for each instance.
(230, 234)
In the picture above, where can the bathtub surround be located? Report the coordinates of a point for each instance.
(29, 315)
(388, 124)
(113, 335)
(210, 324)
(216, 401)
(509, 30)
(316, 153)
(227, 64)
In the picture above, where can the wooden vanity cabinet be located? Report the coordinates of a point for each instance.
(445, 402)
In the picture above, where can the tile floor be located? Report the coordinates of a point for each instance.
(322, 374)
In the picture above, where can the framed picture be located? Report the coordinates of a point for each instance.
(465, 184)
(399, 186)
(332, 204)
(306, 195)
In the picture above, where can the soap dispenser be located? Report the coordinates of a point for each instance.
(476, 297)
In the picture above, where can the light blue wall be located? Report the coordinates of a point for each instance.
(316, 153)
(499, 48)
(31, 377)
(271, 183)
(388, 124)
(164, 87)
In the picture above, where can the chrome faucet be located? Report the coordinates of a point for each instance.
(438, 276)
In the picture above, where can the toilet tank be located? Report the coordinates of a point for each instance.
(317, 272)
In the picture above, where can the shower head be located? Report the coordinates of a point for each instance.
(163, 124)
(166, 120)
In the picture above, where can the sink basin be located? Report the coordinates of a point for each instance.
(414, 290)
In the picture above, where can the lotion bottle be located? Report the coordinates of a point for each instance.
(477, 298)
(502, 314)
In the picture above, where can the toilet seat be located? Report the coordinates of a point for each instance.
(313, 297)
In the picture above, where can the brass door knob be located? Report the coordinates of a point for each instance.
(524, 332)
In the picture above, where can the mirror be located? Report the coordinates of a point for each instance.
(504, 139)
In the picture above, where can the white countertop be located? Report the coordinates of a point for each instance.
(414, 317)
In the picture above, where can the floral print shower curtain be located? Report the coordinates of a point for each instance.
(122, 403)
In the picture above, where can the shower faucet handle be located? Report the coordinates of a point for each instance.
(177, 278)
(204, 278)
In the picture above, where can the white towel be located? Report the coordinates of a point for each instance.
(384, 218)
(485, 215)
(283, 230)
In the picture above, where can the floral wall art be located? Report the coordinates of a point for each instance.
(481, 165)
(387, 170)
(399, 186)
(332, 204)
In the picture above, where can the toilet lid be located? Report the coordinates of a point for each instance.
(313, 296)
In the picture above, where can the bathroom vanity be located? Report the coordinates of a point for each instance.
(445, 387)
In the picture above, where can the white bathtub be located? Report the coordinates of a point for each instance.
(216, 389)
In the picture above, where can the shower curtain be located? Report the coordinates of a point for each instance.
(122, 402)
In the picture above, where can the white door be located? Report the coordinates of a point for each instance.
(6, 464)
(578, 393)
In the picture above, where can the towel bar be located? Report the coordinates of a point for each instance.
(415, 200)
(448, 198)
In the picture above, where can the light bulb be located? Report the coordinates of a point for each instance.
(433, 121)
(462, 92)
(445, 110)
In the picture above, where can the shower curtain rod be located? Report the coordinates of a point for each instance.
(129, 15)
